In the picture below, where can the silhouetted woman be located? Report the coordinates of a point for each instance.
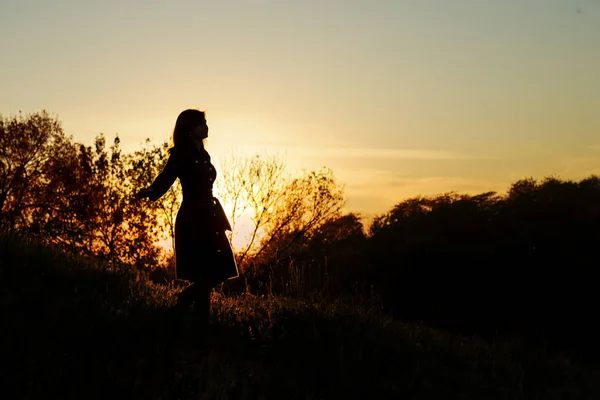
(203, 254)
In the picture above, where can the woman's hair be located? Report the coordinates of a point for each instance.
(186, 121)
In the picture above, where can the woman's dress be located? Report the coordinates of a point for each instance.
(202, 250)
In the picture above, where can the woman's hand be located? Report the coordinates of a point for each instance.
(143, 193)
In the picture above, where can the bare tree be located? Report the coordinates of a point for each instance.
(283, 209)
(309, 201)
(252, 184)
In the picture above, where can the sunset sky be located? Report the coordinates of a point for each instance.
(397, 97)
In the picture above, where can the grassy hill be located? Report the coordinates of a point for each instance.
(74, 328)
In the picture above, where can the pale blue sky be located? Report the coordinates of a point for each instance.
(397, 97)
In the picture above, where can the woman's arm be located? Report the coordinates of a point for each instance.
(163, 181)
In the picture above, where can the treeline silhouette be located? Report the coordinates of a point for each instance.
(495, 264)
(523, 263)
(78, 329)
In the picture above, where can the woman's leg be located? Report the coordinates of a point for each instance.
(202, 299)
(186, 297)
(197, 293)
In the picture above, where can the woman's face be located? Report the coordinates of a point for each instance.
(200, 131)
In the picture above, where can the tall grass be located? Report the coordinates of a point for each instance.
(76, 329)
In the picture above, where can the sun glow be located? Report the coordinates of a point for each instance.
(243, 227)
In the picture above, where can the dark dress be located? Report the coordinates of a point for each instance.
(202, 250)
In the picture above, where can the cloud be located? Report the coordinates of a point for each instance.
(575, 167)
(376, 191)
(383, 153)
(368, 206)
(325, 152)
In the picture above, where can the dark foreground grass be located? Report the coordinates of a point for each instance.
(75, 330)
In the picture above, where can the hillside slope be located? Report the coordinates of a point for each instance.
(76, 330)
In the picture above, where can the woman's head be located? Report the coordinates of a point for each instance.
(190, 124)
